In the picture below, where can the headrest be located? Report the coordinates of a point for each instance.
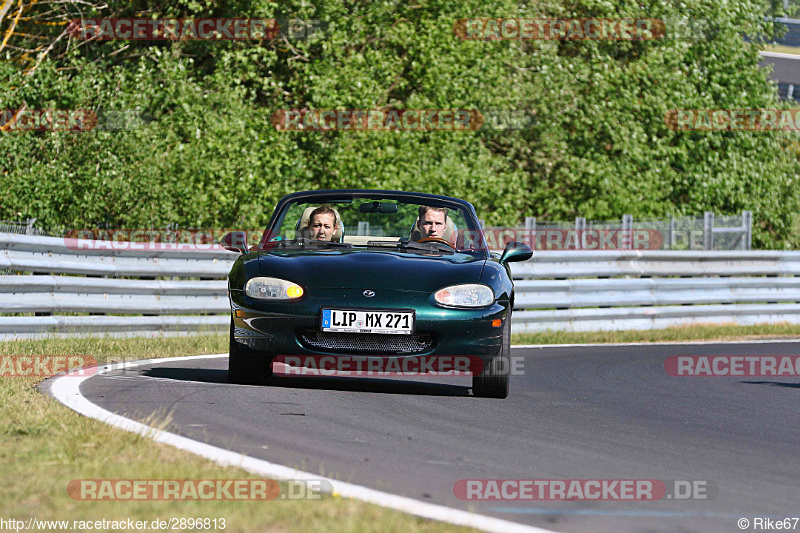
(449, 234)
(302, 225)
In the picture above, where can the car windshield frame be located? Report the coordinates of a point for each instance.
(334, 197)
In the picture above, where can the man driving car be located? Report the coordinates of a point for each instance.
(432, 221)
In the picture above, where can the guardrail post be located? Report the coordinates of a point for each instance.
(530, 223)
(708, 230)
(747, 224)
(627, 233)
(530, 231)
(580, 228)
(171, 234)
(671, 233)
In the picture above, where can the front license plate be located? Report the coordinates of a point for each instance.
(366, 321)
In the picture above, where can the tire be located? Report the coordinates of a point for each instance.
(246, 366)
(493, 381)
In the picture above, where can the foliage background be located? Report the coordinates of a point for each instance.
(207, 154)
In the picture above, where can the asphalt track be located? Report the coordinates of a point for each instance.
(589, 412)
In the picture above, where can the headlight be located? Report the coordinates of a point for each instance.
(468, 295)
(273, 289)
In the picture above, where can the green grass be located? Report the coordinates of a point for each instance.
(724, 332)
(44, 445)
(782, 49)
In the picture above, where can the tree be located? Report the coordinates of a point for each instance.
(203, 149)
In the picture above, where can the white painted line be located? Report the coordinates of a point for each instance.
(66, 389)
(662, 343)
(780, 55)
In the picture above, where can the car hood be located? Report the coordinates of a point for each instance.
(370, 269)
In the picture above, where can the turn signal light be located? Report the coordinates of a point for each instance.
(294, 291)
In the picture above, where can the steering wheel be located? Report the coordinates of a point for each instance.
(439, 240)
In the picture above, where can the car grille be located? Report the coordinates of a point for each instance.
(366, 343)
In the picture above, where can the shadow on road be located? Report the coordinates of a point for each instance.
(348, 384)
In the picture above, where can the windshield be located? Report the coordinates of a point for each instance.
(406, 224)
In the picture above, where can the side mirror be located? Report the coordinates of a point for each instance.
(235, 241)
(516, 251)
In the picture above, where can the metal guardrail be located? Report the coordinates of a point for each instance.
(709, 232)
(24, 253)
(96, 278)
(625, 318)
(633, 263)
(559, 290)
(792, 37)
(651, 290)
(576, 293)
(37, 326)
(59, 294)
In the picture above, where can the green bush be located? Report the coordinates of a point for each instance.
(208, 155)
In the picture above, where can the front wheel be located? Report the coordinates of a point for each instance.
(246, 366)
(493, 381)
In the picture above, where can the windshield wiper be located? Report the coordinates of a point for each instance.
(307, 243)
(326, 244)
(405, 244)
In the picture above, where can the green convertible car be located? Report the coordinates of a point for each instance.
(376, 276)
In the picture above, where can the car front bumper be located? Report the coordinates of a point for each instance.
(284, 328)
